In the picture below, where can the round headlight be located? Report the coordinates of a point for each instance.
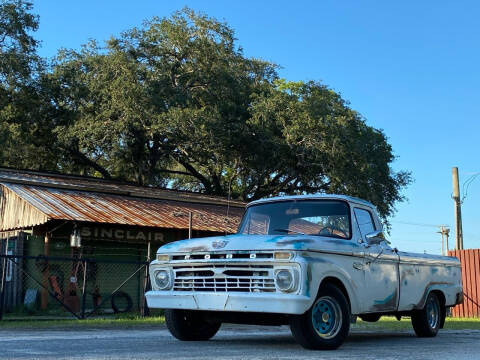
(162, 279)
(284, 280)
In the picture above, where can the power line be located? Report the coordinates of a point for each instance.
(419, 224)
(467, 184)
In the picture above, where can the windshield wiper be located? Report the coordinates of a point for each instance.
(332, 236)
(288, 231)
(301, 233)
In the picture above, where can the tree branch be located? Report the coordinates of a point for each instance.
(176, 172)
(82, 158)
(193, 172)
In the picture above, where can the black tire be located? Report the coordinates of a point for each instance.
(189, 325)
(313, 332)
(121, 296)
(370, 317)
(428, 320)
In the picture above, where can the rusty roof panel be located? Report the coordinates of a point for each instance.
(84, 183)
(67, 204)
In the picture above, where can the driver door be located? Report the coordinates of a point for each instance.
(381, 268)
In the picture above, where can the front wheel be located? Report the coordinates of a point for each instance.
(188, 325)
(428, 320)
(326, 324)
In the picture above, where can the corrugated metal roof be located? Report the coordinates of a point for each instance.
(16, 213)
(68, 204)
(85, 183)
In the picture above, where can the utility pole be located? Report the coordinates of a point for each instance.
(444, 231)
(458, 210)
(447, 233)
(443, 240)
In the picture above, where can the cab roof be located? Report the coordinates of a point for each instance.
(351, 199)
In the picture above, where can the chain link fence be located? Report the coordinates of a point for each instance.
(78, 286)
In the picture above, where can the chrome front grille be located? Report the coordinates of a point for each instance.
(224, 278)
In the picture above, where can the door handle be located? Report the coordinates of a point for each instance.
(358, 266)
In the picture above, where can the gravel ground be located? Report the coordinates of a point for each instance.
(232, 342)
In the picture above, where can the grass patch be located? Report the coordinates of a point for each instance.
(108, 322)
(460, 324)
(391, 323)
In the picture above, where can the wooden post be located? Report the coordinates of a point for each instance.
(4, 271)
(46, 252)
(190, 216)
(2, 293)
(84, 289)
(145, 311)
(458, 210)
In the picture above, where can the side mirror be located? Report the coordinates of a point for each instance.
(376, 237)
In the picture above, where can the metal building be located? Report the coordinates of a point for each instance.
(44, 214)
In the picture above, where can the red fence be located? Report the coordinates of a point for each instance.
(470, 260)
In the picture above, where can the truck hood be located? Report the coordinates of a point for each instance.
(241, 242)
(255, 242)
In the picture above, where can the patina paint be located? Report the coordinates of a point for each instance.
(386, 304)
(375, 284)
(308, 279)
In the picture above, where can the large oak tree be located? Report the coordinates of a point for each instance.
(176, 103)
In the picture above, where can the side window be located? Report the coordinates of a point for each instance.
(365, 221)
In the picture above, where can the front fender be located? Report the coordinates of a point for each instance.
(321, 267)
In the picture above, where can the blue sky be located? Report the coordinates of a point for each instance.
(410, 68)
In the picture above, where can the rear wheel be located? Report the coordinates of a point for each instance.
(188, 325)
(326, 324)
(428, 320)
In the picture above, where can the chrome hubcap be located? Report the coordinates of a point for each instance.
(326, 317)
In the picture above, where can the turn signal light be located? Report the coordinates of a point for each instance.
(163, 257)
(283, 255)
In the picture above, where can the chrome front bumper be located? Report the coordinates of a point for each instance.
(242, 302)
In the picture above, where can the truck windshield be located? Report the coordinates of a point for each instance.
(308, 217)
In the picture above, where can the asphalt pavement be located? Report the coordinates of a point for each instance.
(232, 342)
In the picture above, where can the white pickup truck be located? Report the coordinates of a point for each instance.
(314, 262)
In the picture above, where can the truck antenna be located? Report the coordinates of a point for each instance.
(228, 206)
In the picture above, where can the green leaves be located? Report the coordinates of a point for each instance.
(17, 47)
(176, 103)
(321, 145)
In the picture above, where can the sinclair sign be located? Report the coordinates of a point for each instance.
(120, 234)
